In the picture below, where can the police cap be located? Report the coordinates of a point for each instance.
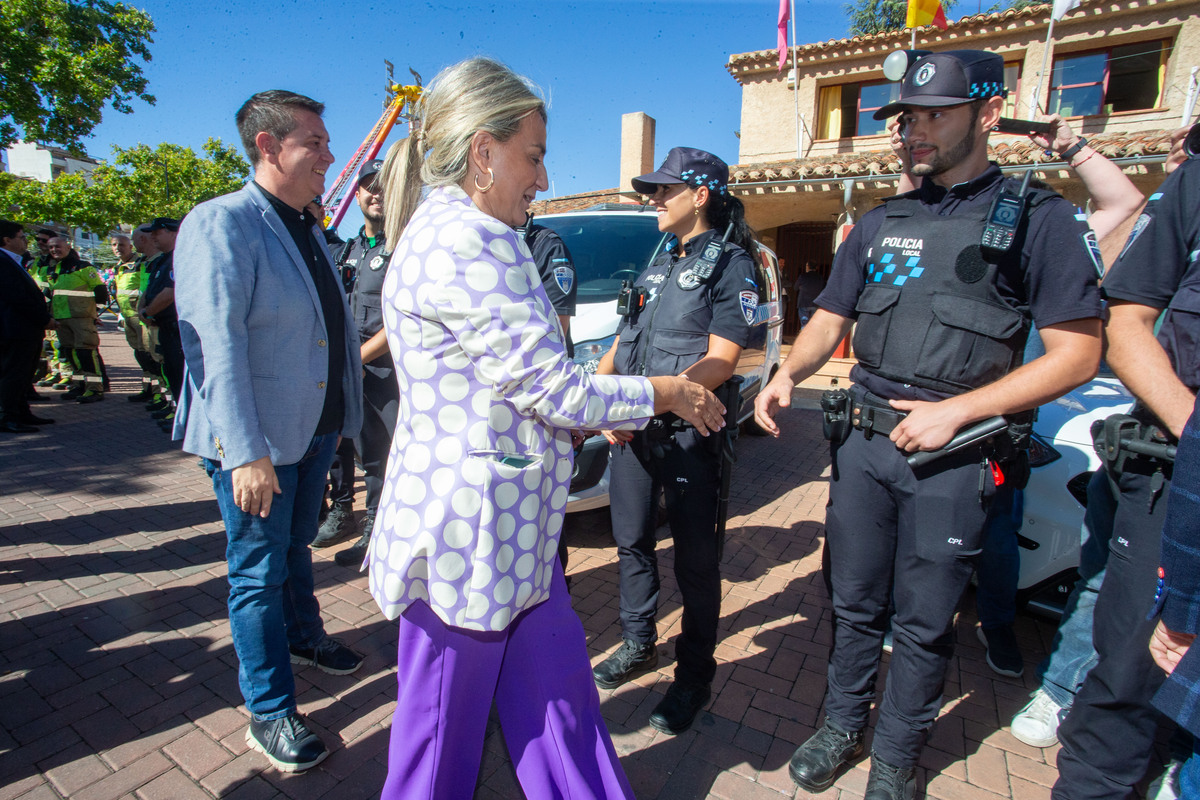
(162, 224)
(686, 165)
(949, 78)
(369, 170)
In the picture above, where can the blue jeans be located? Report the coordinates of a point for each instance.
(1072, 654)
(999, 567)
(271, 601)
(1189, 773)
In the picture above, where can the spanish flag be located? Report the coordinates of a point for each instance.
(925, 12)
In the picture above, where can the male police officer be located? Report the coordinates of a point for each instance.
(943, 304)
(1108, 735)
(363, 264)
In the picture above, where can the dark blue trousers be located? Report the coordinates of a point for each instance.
(891, 533)
(687, 473)
(1108, 736)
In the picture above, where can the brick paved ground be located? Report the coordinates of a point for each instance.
(117, 674)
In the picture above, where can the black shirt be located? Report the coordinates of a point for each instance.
(556, 270)
(1056, 281)
(300, 225)
(162, 276)
(1160, 268)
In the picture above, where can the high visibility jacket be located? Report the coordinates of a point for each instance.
(131, 281)
(73, 283)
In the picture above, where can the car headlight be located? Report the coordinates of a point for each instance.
(589, 353)
(1040, 452)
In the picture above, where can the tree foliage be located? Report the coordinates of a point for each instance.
(140, 183)
(867, 17)
(62, 61)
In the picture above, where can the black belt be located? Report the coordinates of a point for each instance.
(872, 414)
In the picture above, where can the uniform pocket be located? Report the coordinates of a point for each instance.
(969, 341)
(874, 309)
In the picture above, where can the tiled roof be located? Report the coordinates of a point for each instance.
(762, 59)
(1009, 151)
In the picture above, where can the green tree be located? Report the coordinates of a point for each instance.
(62, 61)
(140, 183)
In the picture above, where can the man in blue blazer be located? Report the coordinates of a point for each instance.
(273, 380)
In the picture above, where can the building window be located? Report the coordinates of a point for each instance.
(1126, 78)
(848, 109)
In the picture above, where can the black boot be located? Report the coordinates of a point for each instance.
(353, 555)
(679, 708)
(890, 783)
(631, 659)
(337, 527)
(815, 764)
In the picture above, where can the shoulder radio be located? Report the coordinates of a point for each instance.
(1008, 207)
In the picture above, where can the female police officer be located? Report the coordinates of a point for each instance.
(691, 313)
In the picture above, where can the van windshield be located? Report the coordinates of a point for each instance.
(606, 249)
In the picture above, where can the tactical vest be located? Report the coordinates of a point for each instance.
(931, 314)
(366, 296)
(671, 332)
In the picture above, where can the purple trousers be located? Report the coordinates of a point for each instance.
(538, 673)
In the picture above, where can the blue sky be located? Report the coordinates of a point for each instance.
(594, 61)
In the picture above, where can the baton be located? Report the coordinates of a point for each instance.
(974, 434)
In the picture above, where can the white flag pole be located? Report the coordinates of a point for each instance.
(1189, 105)
(1036, 99)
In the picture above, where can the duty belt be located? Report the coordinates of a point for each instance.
(871, 414)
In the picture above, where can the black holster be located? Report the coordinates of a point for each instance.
(835, 412)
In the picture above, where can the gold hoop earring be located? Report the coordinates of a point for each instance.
(491, 182)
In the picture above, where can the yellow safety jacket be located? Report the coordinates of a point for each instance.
(131, 281)
(72, 284)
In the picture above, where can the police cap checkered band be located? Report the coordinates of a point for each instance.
(948, 79)
(686, 165)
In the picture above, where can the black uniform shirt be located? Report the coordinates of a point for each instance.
(162, 276)
(1055, 283)
(557, 271)
(1160, 267)
(301, 225)
(671, 332)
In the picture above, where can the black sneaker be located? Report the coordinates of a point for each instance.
(90, 396)
(75, 392)
(329, 656)
(287, 743)
(157, 403)
(337, 527)
(815, 764)
(141, 397)
(631, 659)
(353, 555)
(890, 783)
(166, 412)
(1002, 653)
(679, 708)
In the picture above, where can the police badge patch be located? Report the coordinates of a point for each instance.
(376, 263)
(564, 277)
(749, 306)
(687, 280)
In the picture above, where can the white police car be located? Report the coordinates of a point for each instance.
(611, 243)
(1062, 461)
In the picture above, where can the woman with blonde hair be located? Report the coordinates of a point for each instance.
(464, 547)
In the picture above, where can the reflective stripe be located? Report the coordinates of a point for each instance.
(128, 292)
(73, 293)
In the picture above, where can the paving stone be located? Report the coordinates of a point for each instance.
(120, 678)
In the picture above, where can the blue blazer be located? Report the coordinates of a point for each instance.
(254, 337)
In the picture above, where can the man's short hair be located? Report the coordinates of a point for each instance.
(9, 229)
(273, 112)
(119, 237)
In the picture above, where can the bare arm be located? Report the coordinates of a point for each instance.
(717, 365)
(1143, 366)
(374, 347)
(813, 347)
(1072, 358)
(1114, 196)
